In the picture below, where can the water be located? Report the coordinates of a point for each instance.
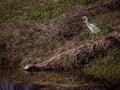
(18, 79)
(5, 85)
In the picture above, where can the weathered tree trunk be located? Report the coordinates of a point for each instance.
(78, 55)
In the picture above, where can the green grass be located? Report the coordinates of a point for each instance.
(104, 22)
(17, 10)
(35, 11)
(106, 66)
(31, 10)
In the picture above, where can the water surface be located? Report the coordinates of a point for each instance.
(18, 79)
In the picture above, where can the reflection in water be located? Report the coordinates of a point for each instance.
(8, 86)
(5, 85)
(17, 75)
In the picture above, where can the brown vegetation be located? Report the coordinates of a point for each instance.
(62, 30)
(79, 55)
(61, 43)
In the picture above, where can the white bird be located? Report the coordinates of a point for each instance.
(32, 67)
(92, 27)
(28, 66)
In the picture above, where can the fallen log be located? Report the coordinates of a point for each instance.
(77, 55)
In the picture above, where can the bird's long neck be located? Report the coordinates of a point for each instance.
(86, 21)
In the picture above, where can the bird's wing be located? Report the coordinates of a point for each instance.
(95, 29)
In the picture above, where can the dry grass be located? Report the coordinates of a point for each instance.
(28, 41)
